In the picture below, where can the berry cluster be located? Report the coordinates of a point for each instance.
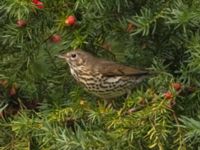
(55, 38)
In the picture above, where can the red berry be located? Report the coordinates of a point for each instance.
(35, 1)
(55, 38)
(177, 86)
(71, 20)
(40, 5)
(21, 23)
(168, 95)
(12, 91)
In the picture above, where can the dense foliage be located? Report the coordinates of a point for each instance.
(42, 107)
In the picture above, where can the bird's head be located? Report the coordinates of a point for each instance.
(75, 57)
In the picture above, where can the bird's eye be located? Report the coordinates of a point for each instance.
(73, 55)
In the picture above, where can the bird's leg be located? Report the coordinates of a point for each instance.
(108, 103)
(128, 94)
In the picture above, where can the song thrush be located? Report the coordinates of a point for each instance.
(106, 79)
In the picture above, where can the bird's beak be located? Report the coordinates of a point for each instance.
(61, 56)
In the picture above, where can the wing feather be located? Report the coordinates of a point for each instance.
(114, 69)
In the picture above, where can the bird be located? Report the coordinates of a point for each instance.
(105, 79)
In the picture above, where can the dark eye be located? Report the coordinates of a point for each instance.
(73, 55)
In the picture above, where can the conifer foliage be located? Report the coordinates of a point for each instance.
(42, 107)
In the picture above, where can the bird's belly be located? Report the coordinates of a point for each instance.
(105, 87)
(110, 94)
(109, 87)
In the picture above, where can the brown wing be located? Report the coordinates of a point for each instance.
(108, 68)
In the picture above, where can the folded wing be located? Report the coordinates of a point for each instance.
(114, 69)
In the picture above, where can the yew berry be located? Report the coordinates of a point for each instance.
(168, 95)
(40, 5)
(21, 23)
(177, 86)
(71, 20)
(56, 38)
